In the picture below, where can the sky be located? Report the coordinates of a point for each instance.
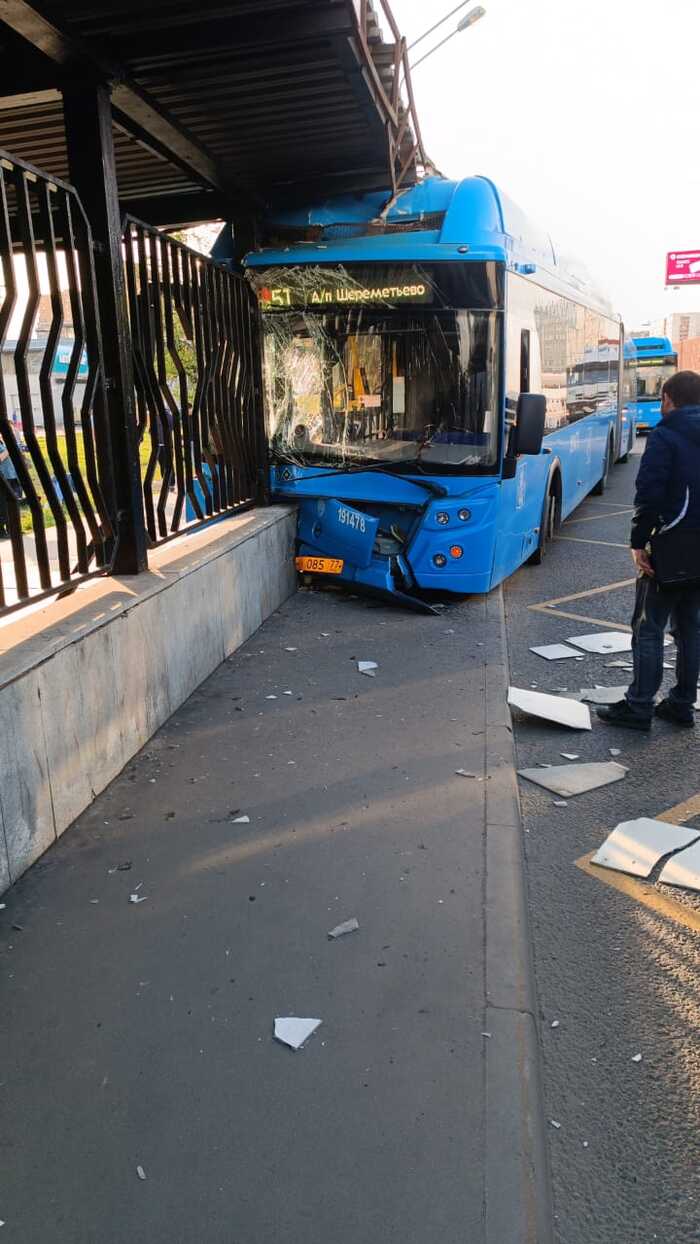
(586, 112)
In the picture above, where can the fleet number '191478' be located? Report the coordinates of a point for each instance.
(350, 518)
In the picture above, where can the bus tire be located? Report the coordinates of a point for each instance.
(602, 484)
(551, 518)
(630, 437)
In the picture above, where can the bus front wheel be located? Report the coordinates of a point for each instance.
(603, 481)
(550, 525)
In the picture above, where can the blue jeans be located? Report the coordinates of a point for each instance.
(654, 606)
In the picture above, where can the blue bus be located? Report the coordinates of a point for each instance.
(419, 366)
(655, 361)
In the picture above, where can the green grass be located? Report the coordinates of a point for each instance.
(49, 521)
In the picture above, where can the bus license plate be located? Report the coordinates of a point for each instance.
(319, 565)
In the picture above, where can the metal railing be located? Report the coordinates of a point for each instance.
(56, 486)
(390, 74)
(196, 374)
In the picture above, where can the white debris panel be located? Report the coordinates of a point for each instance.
(562, 711)
(683, 869)
(555, 652)
(568, 780)
(635, 847)
(294, 1031)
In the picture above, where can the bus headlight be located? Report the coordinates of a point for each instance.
(442, 517)
(464, 516)
(440, 560)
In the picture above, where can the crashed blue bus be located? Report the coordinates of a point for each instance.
(654, 361)
(420, 403)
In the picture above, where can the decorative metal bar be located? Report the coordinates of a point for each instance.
(53, 475)
(195, 353)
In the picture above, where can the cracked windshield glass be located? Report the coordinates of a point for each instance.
(377, 369)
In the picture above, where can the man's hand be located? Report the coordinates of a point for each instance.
(641, 560)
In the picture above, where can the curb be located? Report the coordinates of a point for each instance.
(517, 1195)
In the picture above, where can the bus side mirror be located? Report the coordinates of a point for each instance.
(529, 423)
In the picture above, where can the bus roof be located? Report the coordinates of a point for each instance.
(653, 345)
(433, 220)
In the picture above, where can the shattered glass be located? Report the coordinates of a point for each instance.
(379, 371)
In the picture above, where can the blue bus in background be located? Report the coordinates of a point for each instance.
(655, 361)
(441, 387)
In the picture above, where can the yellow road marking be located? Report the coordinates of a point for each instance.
(593, 518)
(682, 811)
(642, 891)
(581, 617)
(614, 505)
(591, 591)
(582, 540)
(550, 606)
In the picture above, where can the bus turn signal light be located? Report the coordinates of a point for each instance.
(456, 550)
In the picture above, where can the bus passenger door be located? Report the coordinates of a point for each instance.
(520, 504)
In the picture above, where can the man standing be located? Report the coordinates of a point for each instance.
(667, 501)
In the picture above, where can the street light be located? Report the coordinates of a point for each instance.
(474, 15)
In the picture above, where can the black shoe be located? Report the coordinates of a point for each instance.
(668, 711)
(621, 714)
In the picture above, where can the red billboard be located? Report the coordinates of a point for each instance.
(683, 268)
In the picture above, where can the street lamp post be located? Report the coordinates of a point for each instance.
(474, 15)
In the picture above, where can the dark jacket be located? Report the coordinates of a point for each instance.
(668, 484)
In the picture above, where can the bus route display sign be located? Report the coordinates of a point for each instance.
(683, 268)
(286, 289)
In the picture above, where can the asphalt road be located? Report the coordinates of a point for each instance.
(619, 975)
(140, 1034)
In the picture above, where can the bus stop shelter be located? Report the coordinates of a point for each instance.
(143, 118)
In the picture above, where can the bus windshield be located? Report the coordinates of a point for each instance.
(396, 382)
(651, 376)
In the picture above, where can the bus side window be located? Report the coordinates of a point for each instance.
(525, 361)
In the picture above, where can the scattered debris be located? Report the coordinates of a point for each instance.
(325, 634)
(615, 751)
(486, 1034)
(138, 898)
(603, 695)
(140, 1172)
(463, 773)
(290, 649)
(569, 755)
(287, 693)
(294, 1032)
(636, 1058)
(241, 820)
(576, 779)
(559, 803)
(348, 926)
(565, 712)
(605, 641)
(555, 652)
(555, 1023)
(636, 847)
(619, 665)
(555, 1124)
(367, 667)
(125, 867)
(683, 870)
(270, 697)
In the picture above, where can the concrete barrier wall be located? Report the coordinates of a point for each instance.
(85, 682)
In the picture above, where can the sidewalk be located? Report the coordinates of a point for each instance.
(141, 1034)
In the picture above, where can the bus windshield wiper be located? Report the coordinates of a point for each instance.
(437, 490)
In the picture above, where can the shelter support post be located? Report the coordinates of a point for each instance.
(89, 139)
